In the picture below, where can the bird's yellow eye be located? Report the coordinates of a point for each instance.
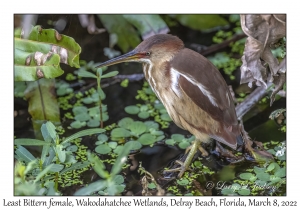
(148, 53)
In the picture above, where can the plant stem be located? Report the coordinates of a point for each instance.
(100, 101)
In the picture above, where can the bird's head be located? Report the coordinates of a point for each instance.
(157, 48)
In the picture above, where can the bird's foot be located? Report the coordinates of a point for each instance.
(184, 166)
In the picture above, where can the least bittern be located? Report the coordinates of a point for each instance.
(190, 87)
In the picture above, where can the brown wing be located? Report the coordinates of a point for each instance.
(205, 86)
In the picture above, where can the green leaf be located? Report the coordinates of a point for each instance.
(260, 183)
(184, 144)
(170, 142)
(45, 152)
(281, 172)
(102, 137)
(270, 167)
(84, 73)
(49, 159)
(24, 154)
(32, 142)
(93, 123)
(101, 93)
(103, 149)
(247, 176)
(43, 105)
(98, 166)
(166, 117)
(43, 172)
(274, 179)
(151, 186)
(127, 35)
(205, 23)
(183, 182)
(86, 132)
(61, 153)
(151, 124)
(118, 179)
(263, 176)
(76, 124)
(48, 132)
(43, 51)
(87, 100)
(56, 167)
(159, 138)
(147, 139)
(76, 166)
(125, 122)
(177, 137)
(132, 109)
(84, 116)
(112, 145)
(93, 187)
(244, 191)
(258, 170)
(156, 133)
(137, 128)
(79, 109)
(118, 149)
(135, 145)
(144, 115)
(148, 25)
(122, 158)
(120, 132)
(110, 74)
(72, 148)
(159, 106)
(228, 191)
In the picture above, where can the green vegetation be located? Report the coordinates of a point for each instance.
(75, 107)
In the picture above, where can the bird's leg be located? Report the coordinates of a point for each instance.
(191, 153)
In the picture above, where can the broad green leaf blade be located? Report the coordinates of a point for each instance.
(127, 36)
(43, 104)
(76, 166)
(43, 172)
(86, 132)
(40, 55)
(132, 109)
(137, 128)
(120, 133)
(83, 73)
(48, 131)
(103, 149)
(93, 187)
(45, 39)
(45, 152)
(56, 167)
(31, 142)
(205, 23)
(61, 153)
(49, 159)
(101, 93)
(49, 70)
(24, 154)
(148, 25)
(110, 74)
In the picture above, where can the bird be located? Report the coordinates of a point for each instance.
(192, 90)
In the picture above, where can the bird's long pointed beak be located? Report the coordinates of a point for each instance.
(128, 57)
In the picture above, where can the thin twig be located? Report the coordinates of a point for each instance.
(216, 47)
(251, 100)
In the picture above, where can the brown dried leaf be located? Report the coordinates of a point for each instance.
(263, 31)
